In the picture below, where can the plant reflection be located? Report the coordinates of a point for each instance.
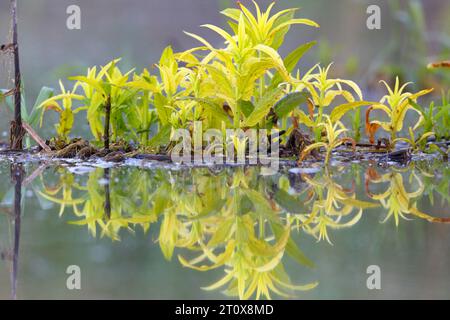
(239, 220)
(396, 199)
(14, 215)
(328, 205)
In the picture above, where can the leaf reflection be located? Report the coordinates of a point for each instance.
(237, 220)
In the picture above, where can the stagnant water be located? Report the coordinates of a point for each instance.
(169, 233)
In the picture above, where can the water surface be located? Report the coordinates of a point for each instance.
(204, 233)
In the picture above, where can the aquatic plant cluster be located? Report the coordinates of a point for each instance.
(244, 84)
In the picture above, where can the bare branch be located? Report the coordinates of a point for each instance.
(35, 137)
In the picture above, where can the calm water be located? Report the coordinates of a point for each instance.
(242, 232)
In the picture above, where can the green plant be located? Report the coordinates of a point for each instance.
(176, 84)
(333, 139)
(142, 117)
(323, 92)
(398, 104)
(237, 76)
(30, 117)
(427, 117)
(442, 116)
(106, 96)
(264, 28)
(245, 83)
(435, 118)
(356, 125)
(66, 114)
(236, 86)
(416, 144)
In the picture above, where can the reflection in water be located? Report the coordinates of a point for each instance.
(237, 220)
(16, 177)
(330, 206)
(14, 216)
(396, 199)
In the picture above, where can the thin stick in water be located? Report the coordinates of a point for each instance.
(17, 132)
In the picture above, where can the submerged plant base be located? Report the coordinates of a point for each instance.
(79, 150)
(82, 149)
(81, 153)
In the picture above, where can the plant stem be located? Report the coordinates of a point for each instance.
(237, 117)
(318, 129)
(328, 156)
(262, 86)
(16, 125)
(357, 125)
(145, 119)
(107, 121)
(393, 138)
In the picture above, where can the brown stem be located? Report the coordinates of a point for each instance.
(36, 173)
(17, 131)
(8, 93)
(107, 120)
(350, 140)
(33, 134)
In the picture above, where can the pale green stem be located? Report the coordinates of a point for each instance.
(145, 119)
